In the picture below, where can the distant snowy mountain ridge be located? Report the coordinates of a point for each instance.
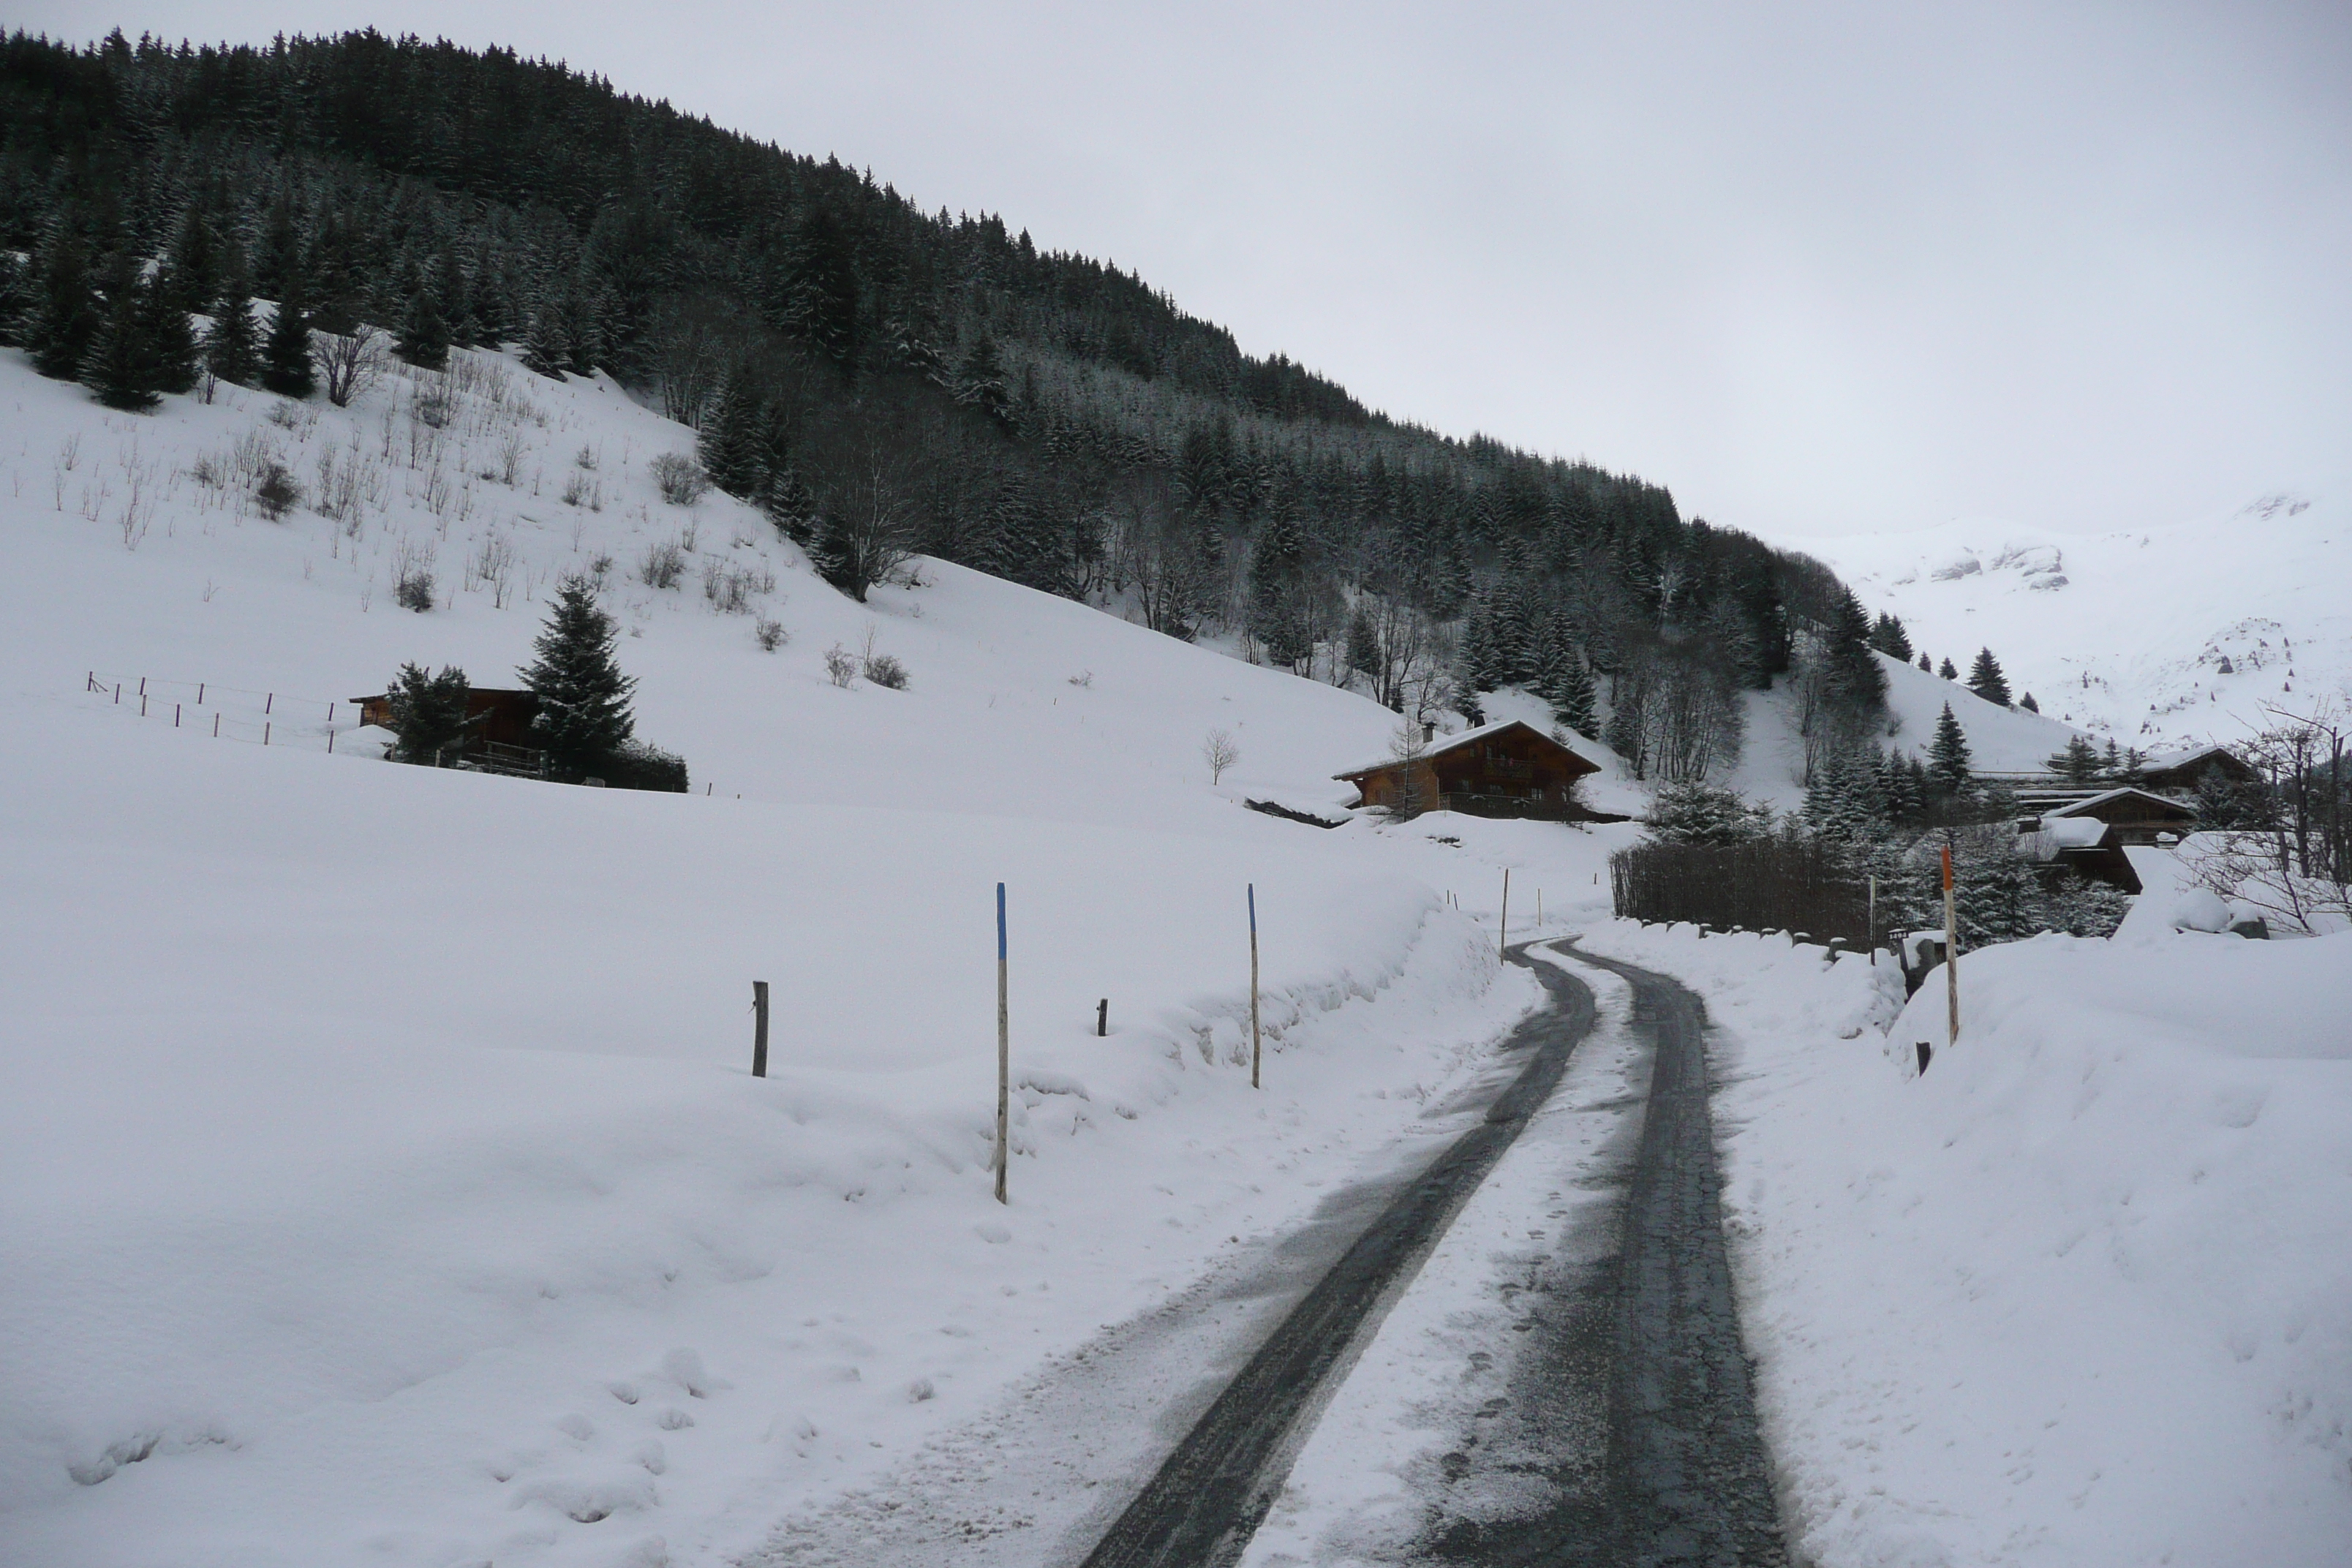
(2159, 636)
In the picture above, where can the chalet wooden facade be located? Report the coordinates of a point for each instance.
(1508, 769)
(2180, 772)
(497, 728)
(2088, 836)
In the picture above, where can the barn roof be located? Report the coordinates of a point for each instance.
(1445, 744)
(2169, 762)
(2078, 807)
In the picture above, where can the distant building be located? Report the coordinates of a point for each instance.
(2180, 772)
(2088, 835)
(498, 737)
(1508, 769)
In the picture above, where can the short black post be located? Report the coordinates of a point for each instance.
(1102, 1018)
(760, 1028)
(1923, 1054)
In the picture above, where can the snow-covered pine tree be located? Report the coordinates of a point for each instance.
(1363, 642)
(2027, 703)
(65, 317)
(1702, 814)
(232, 347)
(428, 713)
(583, 699)
(1887, 636)
(1925, 664)
(1948, 755)
(286, 367)
(1945, 669)
(2078, 763)
(423, 336)
(1855, 675)
(1986, 680)
(170, 337)
(120, 369)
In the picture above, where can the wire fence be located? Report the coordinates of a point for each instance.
(235, 712)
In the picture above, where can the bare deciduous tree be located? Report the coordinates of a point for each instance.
(1218, 750)
(349, 362)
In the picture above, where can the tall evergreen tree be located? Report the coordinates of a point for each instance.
(1948, 755)
(2078, 763)
(2027, 703)
(1887, 636)
(120, 367)
(171, 336)
(67, 315)
(423, 336)
(1363, 645)
(1925, 664)
(286, 366)
(583, 699)
(232, 346)
(428, 713)
(730, 440)
(1946, 671)
(1854, 674)
(1986, 680)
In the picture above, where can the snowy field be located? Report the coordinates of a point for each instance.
(2083, 1292)
(387, 1181)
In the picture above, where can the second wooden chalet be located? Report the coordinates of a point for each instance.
(1507, 769)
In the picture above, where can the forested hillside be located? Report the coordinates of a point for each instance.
(879, 380)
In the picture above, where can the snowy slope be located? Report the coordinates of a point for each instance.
(2127, 632)
(384, 1180)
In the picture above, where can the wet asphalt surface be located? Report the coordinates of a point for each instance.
(1201, 1508)
(1629, 1435)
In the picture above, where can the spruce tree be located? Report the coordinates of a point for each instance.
(1887, 636)
(730, 440)
(583, 699)
(232, 348)
(171, 336)
(428, 713)
(1363, 647)
(286, 367)
(1986, 680)
(1854, 669)
(2077, 764)
(120, 367)
(195, 264)
(2027, 703)
(66, 315)
(423, 336)
(1948, 755)
(1925, 664)
(454, 300)
(546, 346)
(1946, 671)
(16, 298)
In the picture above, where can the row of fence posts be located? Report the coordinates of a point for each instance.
(1005, 1029)
(269, 706)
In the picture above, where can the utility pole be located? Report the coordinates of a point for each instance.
(1951, 952)
(1003, 1050)
(1254, 1034)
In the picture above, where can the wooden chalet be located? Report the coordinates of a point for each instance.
(2180, 772)
(2088, 835)
(497, 728)
(1507, 769)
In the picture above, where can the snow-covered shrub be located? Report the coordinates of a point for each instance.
(635, 764)
(664, 565)
(275, 491)
(770, 634)
(840, 666)
(681, 479)
(883, 669)
(1701, 813)
(414, 590)
(731, 589)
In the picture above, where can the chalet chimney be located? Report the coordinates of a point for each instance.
(1428, 733)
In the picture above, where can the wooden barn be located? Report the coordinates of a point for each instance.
(1508, 769)
(498, 728)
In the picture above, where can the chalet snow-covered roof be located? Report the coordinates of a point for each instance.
(2166, 762)
(2067, 833)
(1445, 744)
(2079, 808)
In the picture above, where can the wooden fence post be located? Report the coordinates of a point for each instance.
(1003, 1050)
(1951, 952)
(1503, 932)
(1254, 1030)
(1102, 1018)
(1872, 920)
(760, 1028)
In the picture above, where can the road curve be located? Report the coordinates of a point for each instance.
(1200, 1510)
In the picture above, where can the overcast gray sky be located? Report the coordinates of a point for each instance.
(1819, 268)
